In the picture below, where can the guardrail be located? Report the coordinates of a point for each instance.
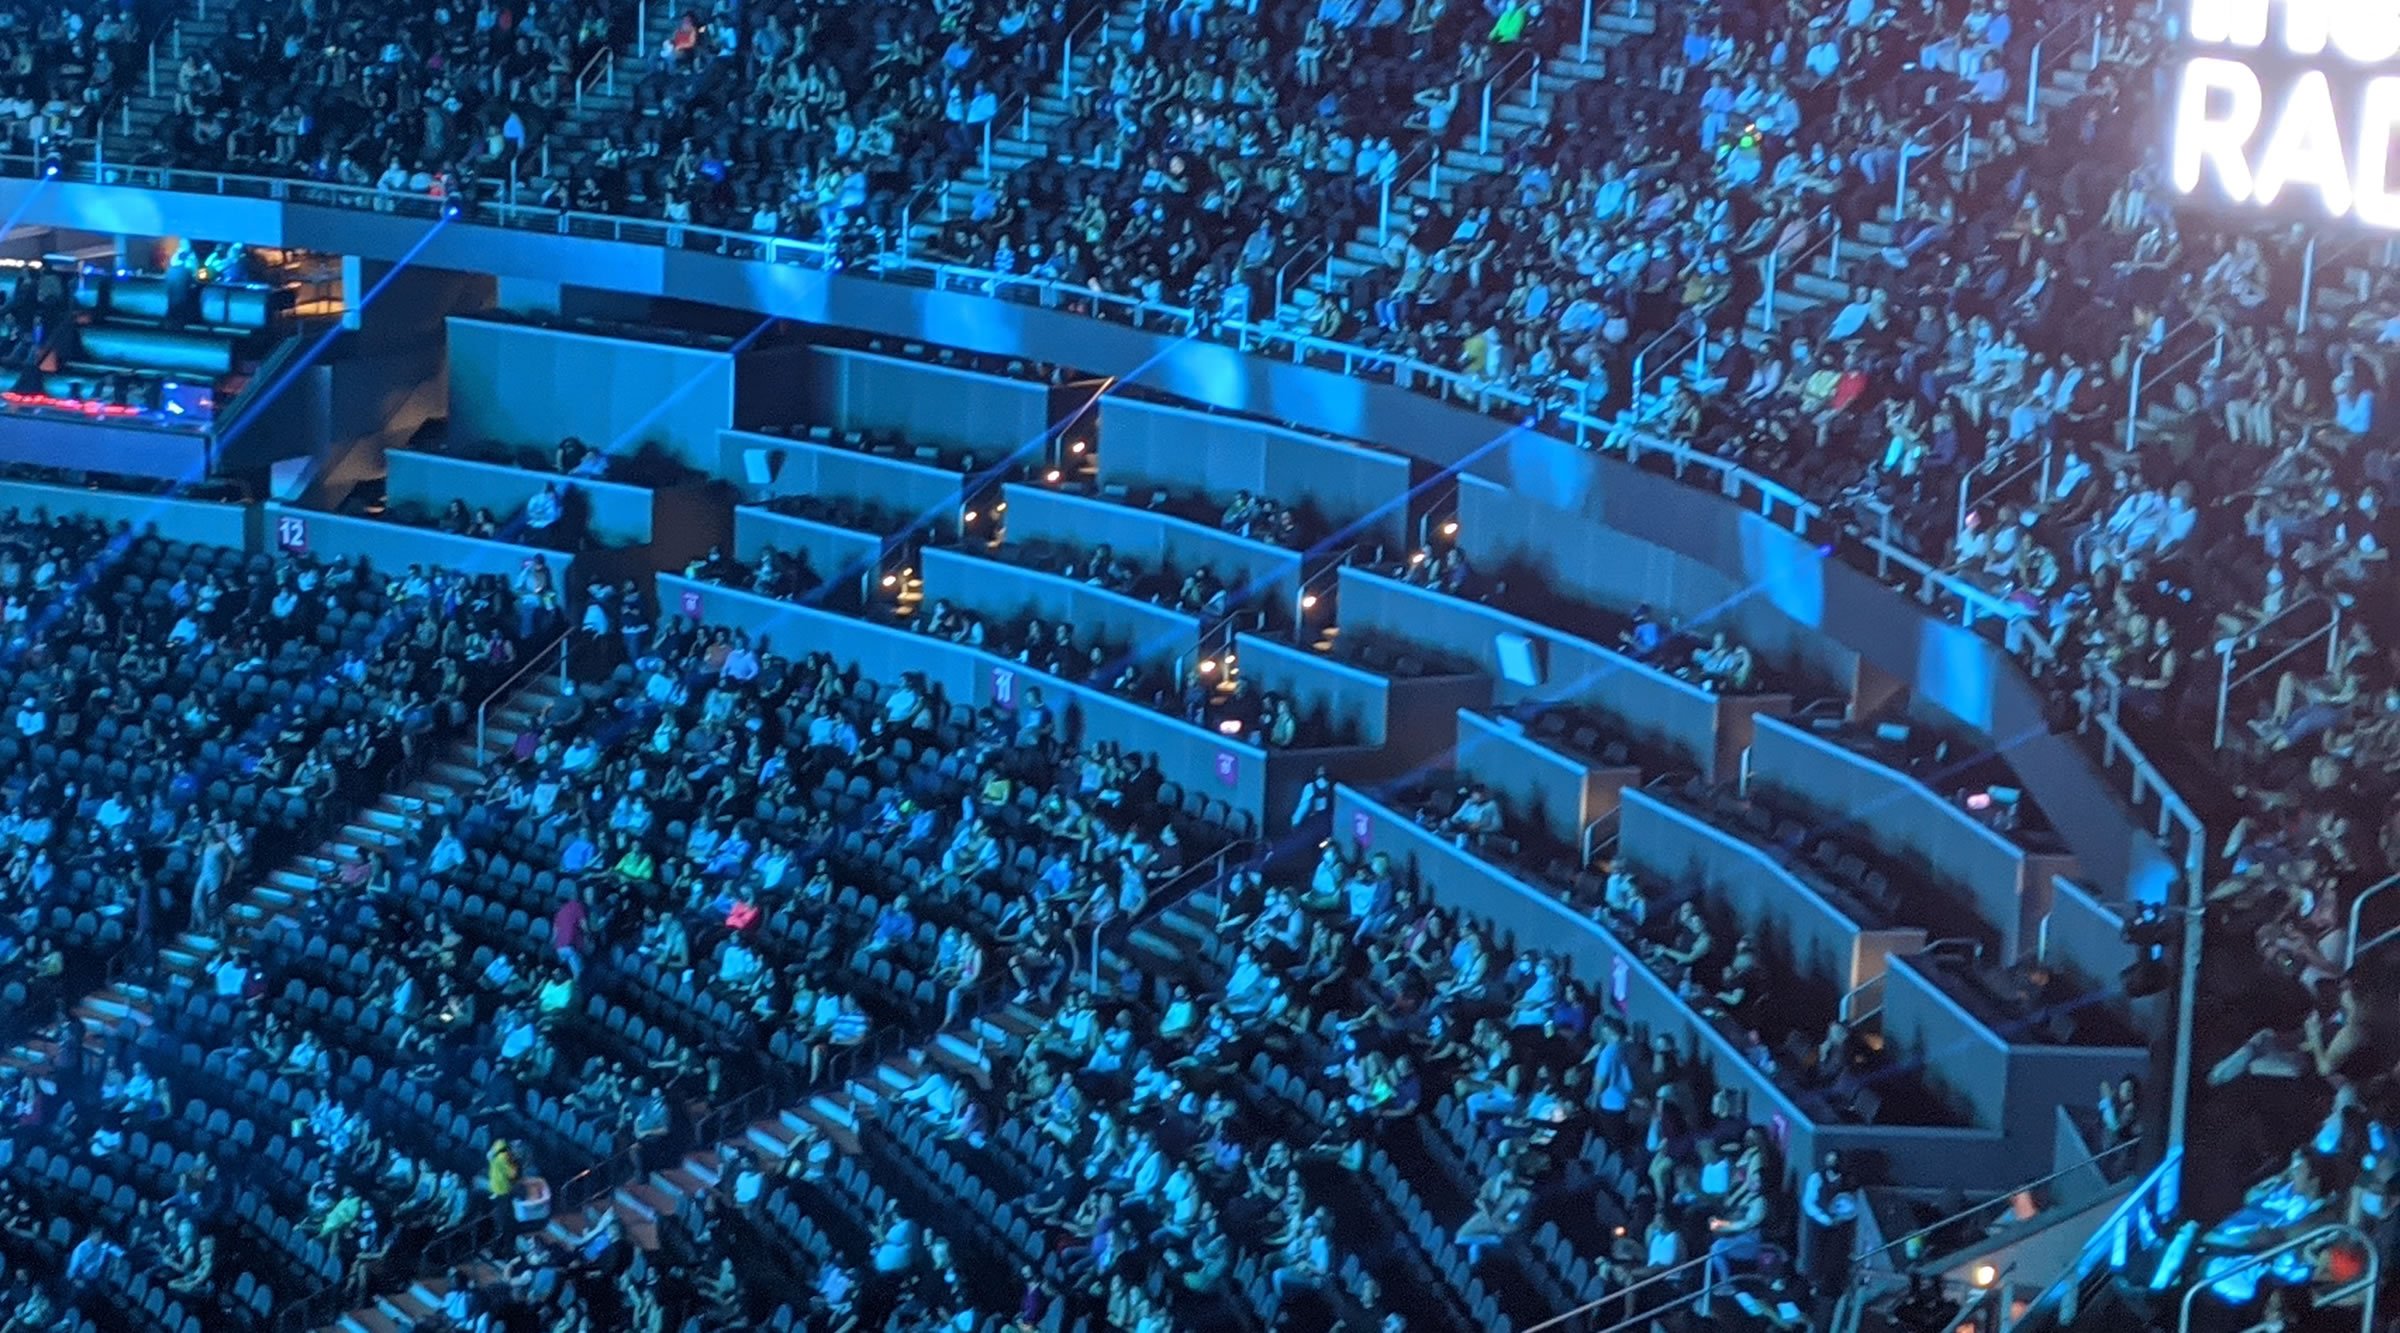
(2230, 679)
(2098, 13)
(1963, 140)
(1526, 56)
(1860, 1262)
(2363, 1287)
(484, 708)
(1772, 275)
(604, 61)
(2358, 912)
(1969, 497)
(1209, 870)
(1304, 252)
(2135, 380)
(1425, 158)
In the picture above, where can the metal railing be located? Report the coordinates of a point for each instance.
(2363, 1287)
(1210, 870)
(2354, 949)
(1963, 140)
(483, 710)
(908, 209)
(2138, 378)
(1531, 62)
(1097, 14)
(2098, 13)
(1303, 253)
(1969, 497)
(601, 69)
(1583, 43)
(1772, 267)
(2231, 676)
(1864, 1000)
(1860, 1262)
(1425, 159)
(1623, 1296)
(1311, 588)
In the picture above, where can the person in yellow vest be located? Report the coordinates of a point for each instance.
(501, 1167)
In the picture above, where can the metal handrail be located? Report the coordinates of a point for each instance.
(1773, 266)
(1968, 499)
(2033, 60)
(2364, 1286)
(2358, 911)
(1285, 267)
(1964, 139)
(1304, 597)
(604, 60)
(1066, 64)
(1641, 359)
(1524, 56)
(1854, 1009)
(1621, 1294)
(2228, 681)
(908, 208)
(1859, 1261)
(1209, 870)
(1400, 178)
(2135, 380)
(483, 709)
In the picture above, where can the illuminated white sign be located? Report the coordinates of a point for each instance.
(2257, 122)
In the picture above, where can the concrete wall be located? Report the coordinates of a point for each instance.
(1039, 514)
(524, 384)
(203, 521)
(392, 547)
(1539, 785)
(1249, 780)
(1649, 708)
(925, 403)
(834, 472)
(618, 515)
(1359, 491)
(1512, 534)
(1128, 626)
(847, 561)
(1811, 938)
(1525, 917)
(1852, 794)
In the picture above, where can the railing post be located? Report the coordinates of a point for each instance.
(1966, 148)
(641, 30)
(2308, 284)
(1383, 210)
(2033, 82)
(1066, 69)
(1773, 265)
(612, 73)
(2224, 691)
(1900, 194)
(987, 150)
(1483, 132)
(1583, 48)
(2133, 397)
(154, 67)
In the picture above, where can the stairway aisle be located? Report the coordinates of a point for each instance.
(1025, 133)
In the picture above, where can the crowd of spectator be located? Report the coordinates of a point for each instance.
(183, 715)
(1982, 349)
(780, 119)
